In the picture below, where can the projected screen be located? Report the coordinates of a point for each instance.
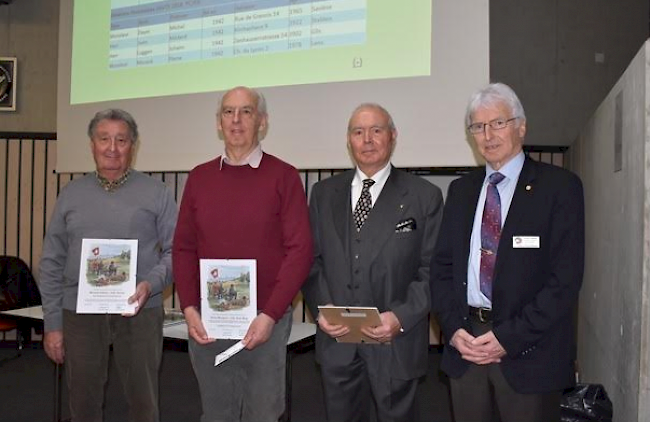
(137, 47)
(167, 62)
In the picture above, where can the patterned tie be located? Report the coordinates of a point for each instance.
(364, 204)
(490, 233)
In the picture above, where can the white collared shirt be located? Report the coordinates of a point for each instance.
(357, 184)
(254, 158)
(511, 170)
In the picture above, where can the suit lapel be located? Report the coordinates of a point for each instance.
(341, 201)
(387, 210)
(469, 212)
(518, 208)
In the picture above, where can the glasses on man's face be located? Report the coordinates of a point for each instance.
(496, 124)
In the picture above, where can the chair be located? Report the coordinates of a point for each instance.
(18, 289)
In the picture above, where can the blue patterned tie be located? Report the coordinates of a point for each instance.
(490, 233)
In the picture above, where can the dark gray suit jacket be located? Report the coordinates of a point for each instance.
(395, 265)
(534, 289)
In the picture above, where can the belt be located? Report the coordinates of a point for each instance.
(483, 315)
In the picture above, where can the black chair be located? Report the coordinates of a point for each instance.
(18, 289)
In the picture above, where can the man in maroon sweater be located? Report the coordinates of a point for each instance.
(244, 204)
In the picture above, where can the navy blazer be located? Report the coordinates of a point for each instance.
(534, 289)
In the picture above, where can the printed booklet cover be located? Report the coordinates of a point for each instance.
(228, 296)
(107, 276)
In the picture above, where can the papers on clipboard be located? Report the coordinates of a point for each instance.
(353, 317)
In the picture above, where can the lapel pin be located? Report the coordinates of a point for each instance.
(401, 206)
(528, 187)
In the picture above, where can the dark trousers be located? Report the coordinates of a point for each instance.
(137, 351)
(352, 388)
(483, 387)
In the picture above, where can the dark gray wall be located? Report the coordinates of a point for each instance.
(545, 49)
(29, 31)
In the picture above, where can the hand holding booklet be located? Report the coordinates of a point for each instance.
(353, 317)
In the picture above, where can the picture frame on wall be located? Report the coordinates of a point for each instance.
(8, 83)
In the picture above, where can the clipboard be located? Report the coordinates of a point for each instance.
(353, 317)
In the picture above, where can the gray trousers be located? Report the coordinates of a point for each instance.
(483, 387)
(248, 387)
(137, 351)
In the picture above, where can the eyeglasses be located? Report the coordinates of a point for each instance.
(496, 124)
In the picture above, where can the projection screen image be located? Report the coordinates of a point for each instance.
(168, 61)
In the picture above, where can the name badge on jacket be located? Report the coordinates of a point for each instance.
(525, 242)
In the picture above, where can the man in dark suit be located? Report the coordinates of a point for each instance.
(506, 272)
(374, 228)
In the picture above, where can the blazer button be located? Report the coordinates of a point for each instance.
(348, 286)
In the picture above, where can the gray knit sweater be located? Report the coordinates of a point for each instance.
(142, 208)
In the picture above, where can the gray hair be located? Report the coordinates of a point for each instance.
(491, 95)
(261, 101)
(118, 115)
(391, 123)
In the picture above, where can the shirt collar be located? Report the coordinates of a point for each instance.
(254, 158)
(380, 177)
(511, 169)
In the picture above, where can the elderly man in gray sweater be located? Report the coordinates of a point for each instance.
(114, 202)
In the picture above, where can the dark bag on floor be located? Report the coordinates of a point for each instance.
(586, 403)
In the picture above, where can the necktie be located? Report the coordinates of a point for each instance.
(364, 204)
(490, 233)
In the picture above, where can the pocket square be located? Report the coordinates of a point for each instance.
(405, 226)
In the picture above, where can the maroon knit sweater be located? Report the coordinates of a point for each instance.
(239, 212)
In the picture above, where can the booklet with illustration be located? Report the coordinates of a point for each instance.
(353, 317)
(228, 296)
(107, 276)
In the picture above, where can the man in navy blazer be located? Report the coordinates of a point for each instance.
(381, 262)
(509, 324)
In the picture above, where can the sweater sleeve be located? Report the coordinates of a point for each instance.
(160, 275)
(185, 260)
(297, 242)
(51, 267)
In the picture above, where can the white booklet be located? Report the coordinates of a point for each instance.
(228, 296)
(107, 276)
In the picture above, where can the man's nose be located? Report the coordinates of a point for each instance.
(488, 132)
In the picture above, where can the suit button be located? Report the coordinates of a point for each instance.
(356, 287)
(348, 286)
(356, 271)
